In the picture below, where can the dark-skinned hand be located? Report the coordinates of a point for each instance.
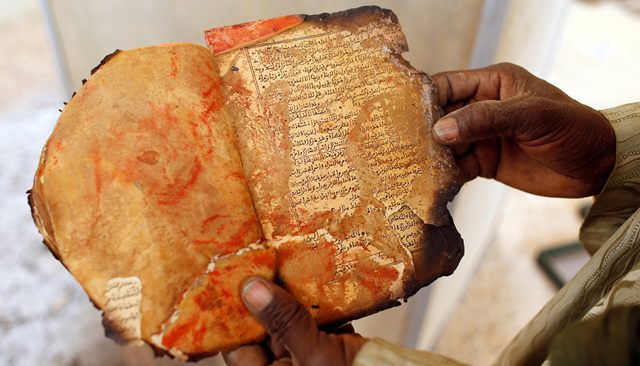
(506, 124)
(294, 337)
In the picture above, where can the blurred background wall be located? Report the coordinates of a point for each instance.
(50, 46)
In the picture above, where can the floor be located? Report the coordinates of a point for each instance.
(45, 317)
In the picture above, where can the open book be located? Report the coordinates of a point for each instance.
(296, 148)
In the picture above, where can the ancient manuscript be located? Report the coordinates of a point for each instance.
(296, 148)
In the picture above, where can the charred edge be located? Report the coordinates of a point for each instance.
(31, 205)
(104, 61)
(355, 17)
(159, 352)
(445, 195)
(50, 246)
(72, 95)
(445, 253)
(195, 357)
(442, 196)
(110, 330)
(337, 323)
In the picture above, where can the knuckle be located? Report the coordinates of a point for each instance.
(282, 317)
(511, 67)
(486, 114)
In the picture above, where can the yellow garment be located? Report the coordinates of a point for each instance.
(380, 352)
(611, 232)
(610, 339)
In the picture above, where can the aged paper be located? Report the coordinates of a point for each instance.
(122, 306)
(333, 130)
(301, 152)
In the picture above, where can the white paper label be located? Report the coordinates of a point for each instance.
(122, 308)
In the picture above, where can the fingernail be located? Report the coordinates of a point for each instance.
(256, 294)
(446, 130)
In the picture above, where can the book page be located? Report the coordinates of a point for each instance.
(140, 191)
(334, 135)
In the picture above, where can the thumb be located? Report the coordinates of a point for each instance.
(478, 121)
(285, 319)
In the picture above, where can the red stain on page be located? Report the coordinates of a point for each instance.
(161, 138)
(59, 146)
(376, 278)
(213, 311)
(198, 337)
(161, 126)
(212, 101)
(238, 238)
(311, 223)
(96, 159)
(209, 220)
(174, 63)
(240, 35)
(178, 190)
(264, 259)
(236, 241)
(177, 333)
(236, 175)
(236, 85)
(97, 174)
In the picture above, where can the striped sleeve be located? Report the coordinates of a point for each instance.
(610, 232)
(378, 352)
(620, 196)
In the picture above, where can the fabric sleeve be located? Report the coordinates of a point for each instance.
(380, 352)
(611, 233)
(620, 196)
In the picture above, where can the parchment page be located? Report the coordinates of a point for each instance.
(333, 129)
(158, 197)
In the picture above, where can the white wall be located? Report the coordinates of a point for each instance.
(440, 33)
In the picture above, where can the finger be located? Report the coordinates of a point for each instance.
(252, 355)
(481, 120)
(495, 82)
(285, 319)
(282, 362)
(453, 106)
(460, 150)
(278, 349)
(454, 87)
(469, 169)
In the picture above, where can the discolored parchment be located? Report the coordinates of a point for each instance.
(334, 134)
(141, 180)
(300, 151)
